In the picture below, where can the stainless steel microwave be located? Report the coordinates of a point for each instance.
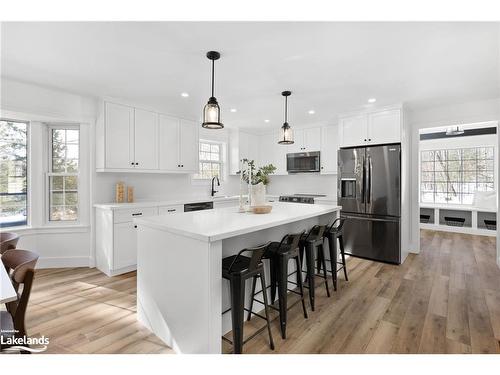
(303, 162)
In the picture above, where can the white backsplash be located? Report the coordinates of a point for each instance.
(174, 186)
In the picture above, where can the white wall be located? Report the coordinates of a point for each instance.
(439, 116)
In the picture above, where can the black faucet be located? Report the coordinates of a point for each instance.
(218, 184)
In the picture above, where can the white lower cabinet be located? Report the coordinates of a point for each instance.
(116, 249)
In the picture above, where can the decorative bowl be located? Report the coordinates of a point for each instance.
(262, 209)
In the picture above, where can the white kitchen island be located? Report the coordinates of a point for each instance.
(180, 290)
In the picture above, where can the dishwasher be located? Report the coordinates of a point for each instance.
(198, 206)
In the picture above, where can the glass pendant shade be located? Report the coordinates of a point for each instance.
(286, 135)
(211, 115)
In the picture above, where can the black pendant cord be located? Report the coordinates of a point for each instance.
(213, 76)
(286, 108)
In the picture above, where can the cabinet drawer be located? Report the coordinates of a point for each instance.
(126, 215)
(165, 210)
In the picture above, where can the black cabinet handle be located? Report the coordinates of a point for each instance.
(369, 139)
(137, 214)
(135, 226)
(172, 210)
(132, 163)
(365, 139)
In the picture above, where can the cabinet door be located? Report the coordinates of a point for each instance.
(270, 152)
(234, 151)
(298, 144)
(188, 146)
(119, 136)
(124, 245)
(329, 148)
(312, 139)
(249, 146)
(384, 127)
(146, 139)
(353, 131)
(168, 143)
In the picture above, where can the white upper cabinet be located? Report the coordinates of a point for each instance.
(169, 143)
(384, 127)
(188, 146)
(371, 128)
(178, 143)
(353, 130)
(270, 152)
(306, 140)
(119, 135)
(329, 149)
(130, 139)
(146, 139)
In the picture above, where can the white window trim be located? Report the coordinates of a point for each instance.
(222, 162)
(48, 174)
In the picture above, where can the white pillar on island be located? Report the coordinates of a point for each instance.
(180, 290)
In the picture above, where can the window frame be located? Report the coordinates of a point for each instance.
(49, 173)
(28, 175)
(461, 171)
(221, 161)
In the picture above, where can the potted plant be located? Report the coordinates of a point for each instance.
(259, 181)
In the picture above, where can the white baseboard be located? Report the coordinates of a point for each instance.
(63, 262)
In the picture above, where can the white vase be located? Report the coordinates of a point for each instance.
(258, 194)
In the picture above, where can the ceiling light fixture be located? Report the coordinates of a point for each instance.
(286, 137)
(232, 110)
(266, 120)
(372, 100)
(211, 112)
(311, 111)
(184, 94)
(454, 131)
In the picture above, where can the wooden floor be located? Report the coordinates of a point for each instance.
(444, 300)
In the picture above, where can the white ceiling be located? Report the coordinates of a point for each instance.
(329, 67)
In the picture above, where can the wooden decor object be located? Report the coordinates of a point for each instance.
(120, 192)
(130, 194)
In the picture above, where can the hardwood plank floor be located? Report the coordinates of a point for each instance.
(444, 300)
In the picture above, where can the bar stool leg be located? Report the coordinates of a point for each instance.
(273, 270)
(298, 264)
(341, 242)
(254, 283)
(237, 286)
(321, 257)
(282, 292)
(266, 309)
(332, 245)
(310, 273)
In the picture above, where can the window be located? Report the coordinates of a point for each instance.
(453, 175)
(62, 178)
(210, 160)
(13, 173)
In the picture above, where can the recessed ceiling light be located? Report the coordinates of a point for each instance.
(184, 94)
(311, 111)
(232, 110)
(266, 120)
(372, 100)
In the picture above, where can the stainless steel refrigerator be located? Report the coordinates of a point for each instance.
(369, 191)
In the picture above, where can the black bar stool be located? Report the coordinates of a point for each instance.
(238, 269)
(279, 255)
(309, 243)
(333, 233)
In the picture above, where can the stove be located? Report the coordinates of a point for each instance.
(300, 198)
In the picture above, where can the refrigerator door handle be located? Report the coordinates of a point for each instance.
(363, 179)
(369, 189)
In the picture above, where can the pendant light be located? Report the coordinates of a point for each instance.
(211, 112)
(286, 137)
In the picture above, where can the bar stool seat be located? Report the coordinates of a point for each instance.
(239, 264)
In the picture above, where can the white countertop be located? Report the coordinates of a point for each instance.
(155, 203)
(221, 223)
(7, 292)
